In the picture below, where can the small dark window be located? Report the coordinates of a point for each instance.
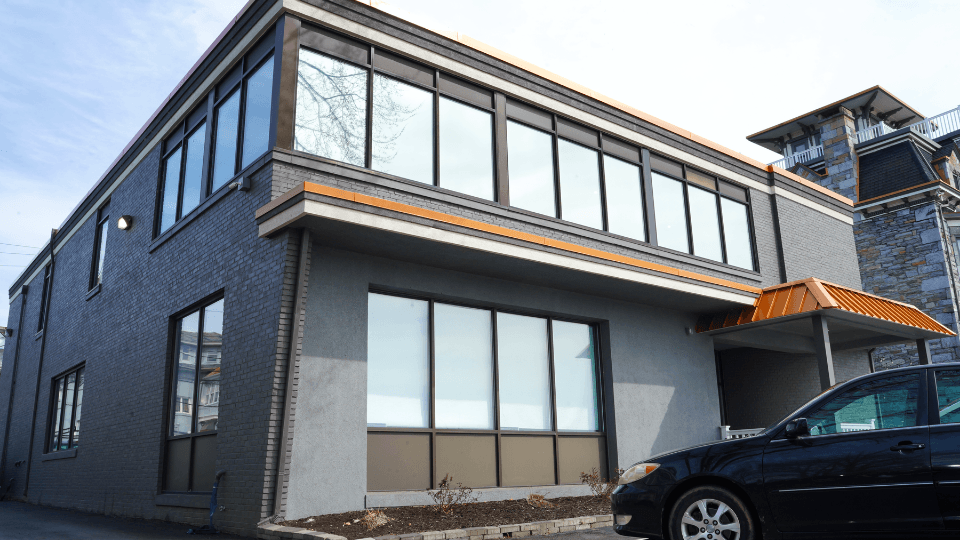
(44, 293)
(195, 404)
(65, 402)
(100, 245)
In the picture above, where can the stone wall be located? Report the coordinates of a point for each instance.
(838, 134)
(906, 255)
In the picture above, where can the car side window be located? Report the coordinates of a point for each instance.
(948, 396)
(886, 403)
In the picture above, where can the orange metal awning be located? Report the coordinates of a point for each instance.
(780, 304)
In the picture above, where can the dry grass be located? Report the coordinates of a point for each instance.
(601, 487)
(448, 498)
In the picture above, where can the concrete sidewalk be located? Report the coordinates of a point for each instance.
(21, 521)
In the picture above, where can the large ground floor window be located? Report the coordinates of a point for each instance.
(490, 397)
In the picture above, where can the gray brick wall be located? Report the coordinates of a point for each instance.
(761, 387)
(906, 255)
(816, 245)
(121, 334)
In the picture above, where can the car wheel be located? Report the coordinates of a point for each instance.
(710, 513)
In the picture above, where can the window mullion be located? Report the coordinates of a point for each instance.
(553, 404)
(649, 210)
(205, 176)
(62, 407)
(500, 149)
(436, 127)
(605, 225)
(368, 154)
(686, 212)
(241, 118)
(496, 397)
(558, 206)
(723, 240)
(73, 411)
(433, 393)
(196, 376)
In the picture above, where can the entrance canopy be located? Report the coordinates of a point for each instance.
(815, 317)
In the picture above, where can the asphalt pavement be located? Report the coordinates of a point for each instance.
(21, 521)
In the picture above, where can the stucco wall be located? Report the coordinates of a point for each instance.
(761, 387)
(663, 380)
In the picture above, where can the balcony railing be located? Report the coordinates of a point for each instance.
(932, 128)
(727, 433)
(802, 157)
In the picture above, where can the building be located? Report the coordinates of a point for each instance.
(901, 170)
(402, 254)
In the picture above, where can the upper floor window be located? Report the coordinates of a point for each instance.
(697, 213)
(221, 137)
(195, 404)
(65, 404)
(44, 298)
(393, 115)
(370, 108)
(100, 245)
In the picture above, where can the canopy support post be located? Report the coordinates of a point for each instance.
(821, 341)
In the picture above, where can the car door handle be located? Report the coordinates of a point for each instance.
(907, 446)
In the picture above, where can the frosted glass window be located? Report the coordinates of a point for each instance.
(671, 214)
(580, 185)
(530, 165)
(398, 362)
(624, 198)
(331, 117)
(193, 170)
(736, 234)
(705, 223)
(463, 348)
(466, 149)
(256, 115)
(402, 130)
(171, 188)
(524, 373)
(225, 153)
(575, 367)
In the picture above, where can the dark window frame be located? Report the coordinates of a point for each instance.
(99, 245)
(176, 140)
(554, 433)
(690, 184)
(436, 89)
(171, 402)
(60, 407)
(44, 297)
(501, 111)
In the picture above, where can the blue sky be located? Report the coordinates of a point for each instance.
(78, 79)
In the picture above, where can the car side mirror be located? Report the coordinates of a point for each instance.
(797, 428)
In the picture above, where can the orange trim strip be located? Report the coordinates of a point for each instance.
(497, 230)
(918, 186)
(563, 81)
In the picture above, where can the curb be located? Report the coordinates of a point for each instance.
(537, 528)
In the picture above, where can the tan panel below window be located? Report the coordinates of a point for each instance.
(470, 459)
(527, 461)
(581, 454)
(204, 461)
(176, 469)
(398, 461)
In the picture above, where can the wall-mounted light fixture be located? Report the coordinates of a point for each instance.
(125, 222)
(243, 183)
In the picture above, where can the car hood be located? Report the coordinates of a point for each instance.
(671, 453)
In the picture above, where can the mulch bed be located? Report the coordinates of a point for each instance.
(415, 519)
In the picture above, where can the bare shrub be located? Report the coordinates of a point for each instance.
(537, 500)
(448, 498)
(601, 488)
(375, 518)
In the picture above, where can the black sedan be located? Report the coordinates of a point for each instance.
(875, 457)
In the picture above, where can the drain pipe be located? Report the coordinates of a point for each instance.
(13, 386)
(210, 529)
(873, 369)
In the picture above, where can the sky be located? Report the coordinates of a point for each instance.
(78, 80)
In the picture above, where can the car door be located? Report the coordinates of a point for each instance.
(945, 444)
(864, 466)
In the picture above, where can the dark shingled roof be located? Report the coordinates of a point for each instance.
(897, 167)
(948, 146)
